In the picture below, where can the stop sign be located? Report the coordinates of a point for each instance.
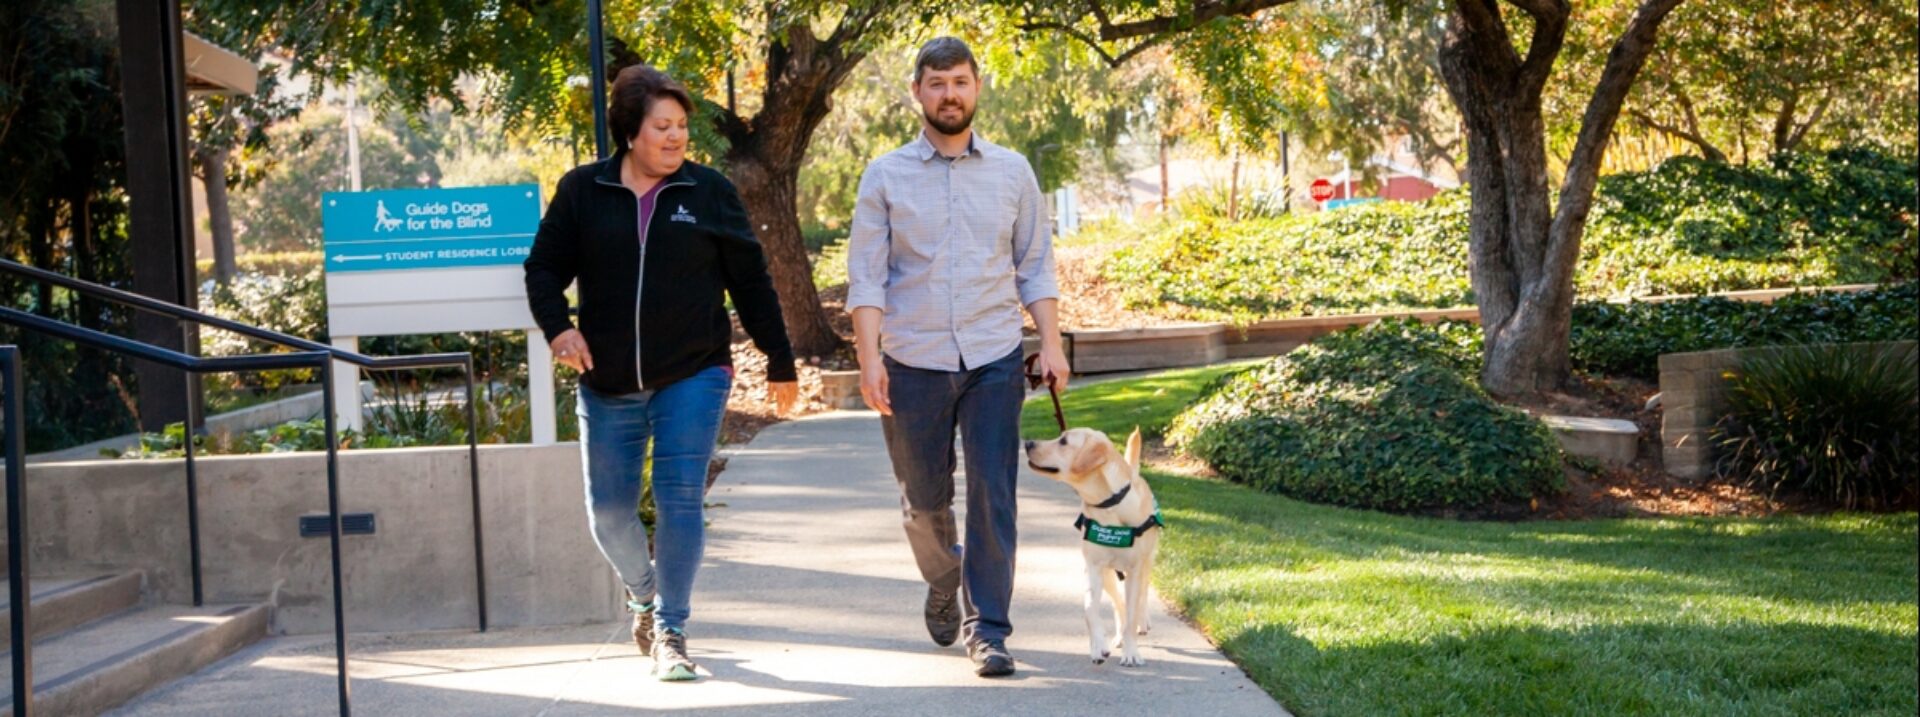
(1321, 190)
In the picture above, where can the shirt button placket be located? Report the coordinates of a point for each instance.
(952, 293)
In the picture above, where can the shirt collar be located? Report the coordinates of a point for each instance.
(924, 149)
(608, 171)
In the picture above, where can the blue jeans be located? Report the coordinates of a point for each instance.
(984, 403)
(683, 422)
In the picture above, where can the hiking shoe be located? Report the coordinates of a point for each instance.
(670, 661)
(943, 617)
(990, 658)
(642, 624)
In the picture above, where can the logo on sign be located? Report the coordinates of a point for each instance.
(683, 216)
(385, 221)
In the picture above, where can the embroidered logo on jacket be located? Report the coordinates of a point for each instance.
(683, 216)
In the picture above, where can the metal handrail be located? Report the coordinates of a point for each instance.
(15, 447)
(307, 353)
(374, 363)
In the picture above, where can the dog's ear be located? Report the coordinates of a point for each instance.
(1095, 454)
(1133, 450)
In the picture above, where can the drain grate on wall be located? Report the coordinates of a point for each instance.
(315, 526)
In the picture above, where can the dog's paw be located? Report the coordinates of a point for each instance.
(1100, 659)
(1132, 661)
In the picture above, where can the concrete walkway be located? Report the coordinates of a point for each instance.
(808, 604)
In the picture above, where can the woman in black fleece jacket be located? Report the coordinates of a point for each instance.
(656, 243)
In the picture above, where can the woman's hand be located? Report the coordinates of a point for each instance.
(785, 395)
(570, 349)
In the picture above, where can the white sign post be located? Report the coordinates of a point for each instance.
(419, 261)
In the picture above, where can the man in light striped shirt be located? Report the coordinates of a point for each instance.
(948, 242)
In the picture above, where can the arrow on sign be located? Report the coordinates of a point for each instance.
(342, 258)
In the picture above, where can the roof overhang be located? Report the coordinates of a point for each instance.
(214, 70)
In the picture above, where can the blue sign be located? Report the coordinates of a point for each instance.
(395, 229)
(1338, 203)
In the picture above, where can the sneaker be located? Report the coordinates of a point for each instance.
(990, 658)
(670, 661)
(943, 617)
(642, 624)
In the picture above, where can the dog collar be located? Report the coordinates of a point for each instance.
(1115, 498)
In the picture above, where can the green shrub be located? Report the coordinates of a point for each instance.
(830, 266)
(1694, 226)
(1384, 256)
(1627, 339)
(1836, 422)
(1387, 417)
(817, 238)
(290, 303)
(1687, 227)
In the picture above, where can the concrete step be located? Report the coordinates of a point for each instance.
(1609, 440)
(98, 666)
(64, 603)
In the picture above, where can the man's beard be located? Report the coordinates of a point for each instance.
(950, 128)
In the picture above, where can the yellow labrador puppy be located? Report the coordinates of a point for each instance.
(1117, 520)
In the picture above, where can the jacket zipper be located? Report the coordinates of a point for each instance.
(640, 277)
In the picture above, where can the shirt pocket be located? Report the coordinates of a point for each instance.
(916, 217)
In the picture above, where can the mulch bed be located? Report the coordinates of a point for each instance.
(1641, 489)
(748, 408)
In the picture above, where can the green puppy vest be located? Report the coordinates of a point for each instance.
(1115, 536)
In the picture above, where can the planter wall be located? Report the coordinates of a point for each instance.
(1693, 393)
(1106, 350)
(1142, 349)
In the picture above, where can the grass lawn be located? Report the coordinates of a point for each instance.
(1346, 612)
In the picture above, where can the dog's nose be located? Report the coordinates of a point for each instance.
(1029, 446)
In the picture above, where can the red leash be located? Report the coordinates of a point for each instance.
(1034, 380)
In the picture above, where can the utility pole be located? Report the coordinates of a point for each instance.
(353, 136)
(597, 63)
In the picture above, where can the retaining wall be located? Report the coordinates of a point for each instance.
(1693, 396)
(415, 572)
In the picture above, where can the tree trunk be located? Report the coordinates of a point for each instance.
(40, 251)
(1524, 313)
(1233, 189)
(765, 153)
(1522, 252)
(213, 174)
(1164, 192)
(85, 258)
(769, 192)
(1799, 133)
(1783, 122)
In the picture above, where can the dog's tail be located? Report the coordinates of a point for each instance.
(1133, 450)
